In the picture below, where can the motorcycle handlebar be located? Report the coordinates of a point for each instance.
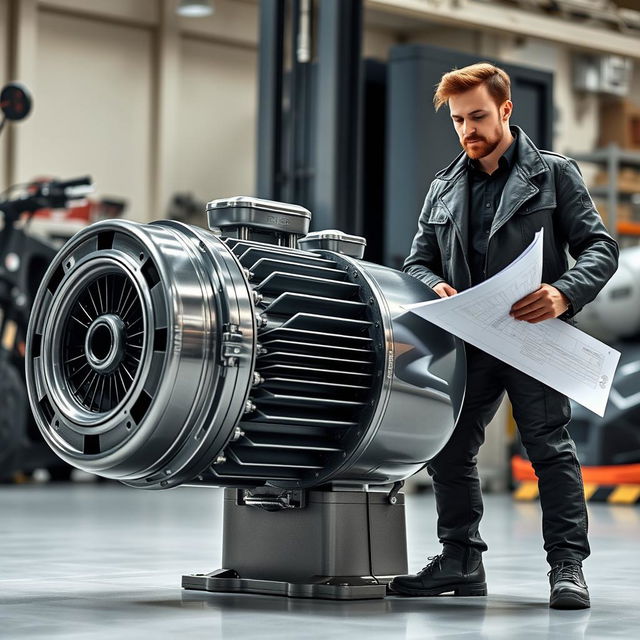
(73, 182)
(53, 194)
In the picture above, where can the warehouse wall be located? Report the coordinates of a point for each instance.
(216, 130)
(145, 101)
(447, 37)
(93, 97)
(151, 103)
(376, 42)
(4, 75)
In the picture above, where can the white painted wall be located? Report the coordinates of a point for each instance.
(141, 11)
(4, 62)
(447, 37)
(93, 103)
(376, 42)
(4, 34)
(144, 113)
(216, 130)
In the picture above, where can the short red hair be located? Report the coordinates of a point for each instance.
(458, 81)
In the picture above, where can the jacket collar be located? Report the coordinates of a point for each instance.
(528, 158)
(454, 196)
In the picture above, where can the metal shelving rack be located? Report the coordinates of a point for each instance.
(613, 158)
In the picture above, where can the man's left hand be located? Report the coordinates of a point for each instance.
(544, 303)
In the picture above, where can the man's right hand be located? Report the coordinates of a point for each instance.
(444, 290)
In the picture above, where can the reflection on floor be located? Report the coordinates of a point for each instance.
(96, 562)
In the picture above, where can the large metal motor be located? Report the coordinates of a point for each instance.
(614, 316)
(163, 354)
(615, 313)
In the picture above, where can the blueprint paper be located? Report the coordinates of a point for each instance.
(557, 354)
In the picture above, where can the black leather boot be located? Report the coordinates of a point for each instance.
(568, 588)
(444, 574)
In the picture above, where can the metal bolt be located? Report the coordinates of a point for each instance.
(257, 379)
(237, 433)
(257, 297)
(249, 407)
(220, 459)
(247, 274)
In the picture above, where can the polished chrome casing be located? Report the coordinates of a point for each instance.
(244, 350)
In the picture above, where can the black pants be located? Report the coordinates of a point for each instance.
(541, 415)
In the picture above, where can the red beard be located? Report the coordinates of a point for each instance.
(480, 149)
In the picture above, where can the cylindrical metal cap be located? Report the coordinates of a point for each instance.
(246, 211)
(334, 240)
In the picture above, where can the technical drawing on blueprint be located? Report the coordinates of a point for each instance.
(551, 351)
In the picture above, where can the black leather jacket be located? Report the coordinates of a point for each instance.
(545, 190)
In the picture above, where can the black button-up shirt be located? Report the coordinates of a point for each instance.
(485, 191)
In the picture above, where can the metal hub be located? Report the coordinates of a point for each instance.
(104, 343)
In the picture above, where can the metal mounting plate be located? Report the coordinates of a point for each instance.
(324, 587)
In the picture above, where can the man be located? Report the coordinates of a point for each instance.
(480, 213)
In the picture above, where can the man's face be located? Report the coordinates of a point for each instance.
(478, 121)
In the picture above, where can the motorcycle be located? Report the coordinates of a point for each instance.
(24, 259)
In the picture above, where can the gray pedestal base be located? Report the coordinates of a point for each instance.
(344, 545)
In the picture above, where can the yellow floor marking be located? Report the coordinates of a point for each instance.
(526, 491)
(625, 494)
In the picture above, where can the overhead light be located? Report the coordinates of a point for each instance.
(195, 8)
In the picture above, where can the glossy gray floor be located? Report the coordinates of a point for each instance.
(95, 562)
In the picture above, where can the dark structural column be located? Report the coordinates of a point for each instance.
(336, 200)
(270, 69)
